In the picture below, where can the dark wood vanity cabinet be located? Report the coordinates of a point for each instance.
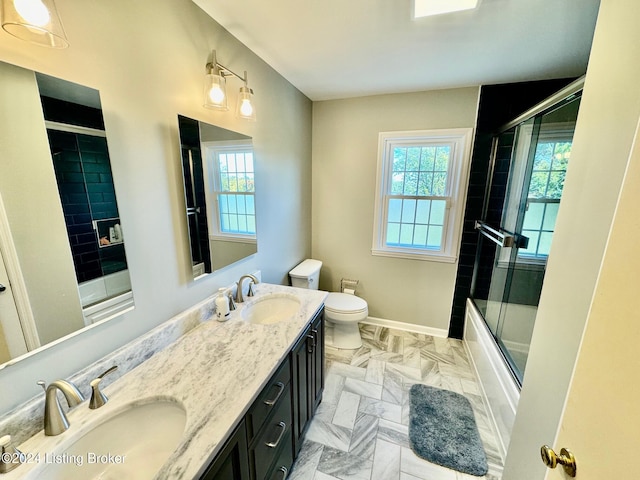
(267, 441)
(232, 463)
(307, 365)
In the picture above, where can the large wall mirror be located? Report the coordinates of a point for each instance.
(62, 253)
(219, 185)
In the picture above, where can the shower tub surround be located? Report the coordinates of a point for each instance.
(213, 370)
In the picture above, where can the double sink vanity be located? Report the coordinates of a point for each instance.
(195, 398)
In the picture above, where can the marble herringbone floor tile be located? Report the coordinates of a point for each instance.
(343, 465)
(360, 431)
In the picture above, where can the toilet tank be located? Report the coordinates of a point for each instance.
(306, 274)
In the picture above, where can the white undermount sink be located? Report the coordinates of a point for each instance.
(131, 444)
(271, 308)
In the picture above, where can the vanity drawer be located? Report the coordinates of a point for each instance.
(268, 400)
(282, 467)
(273, 439)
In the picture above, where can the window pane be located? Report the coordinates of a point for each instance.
(425, 184)
(233, 223)
(420, 235)
(251, 208)
(393, 233)
(242, 223)
(395, 209)
(397, 183)
(408, 211)
(240, 162)
(538, 185)
(406, 234)
(249, 161)
(242, 209)
(222, 201)
(251, 187)
(434, 238)
(232, 203)
(410, 183)
(550, 216)
(442, 158)
(561, 156)
(251, 224)
(545, 243)
(413, 159)
(543, 156)
(422, 212)
(533, 216)
(427, 158)
(399, 159)
(438, 210)
(556, 183)
(439, 184)
(224, 222)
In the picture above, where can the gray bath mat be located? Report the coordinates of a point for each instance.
(442, 430)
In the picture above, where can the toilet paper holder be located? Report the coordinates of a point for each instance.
(348, 285)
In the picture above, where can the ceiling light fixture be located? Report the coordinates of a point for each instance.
(36, 21)
(215, 90)
(426, 8)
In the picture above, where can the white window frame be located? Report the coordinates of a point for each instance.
(212, 188)
(460, 140)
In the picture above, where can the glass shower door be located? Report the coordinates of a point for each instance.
(530, 163)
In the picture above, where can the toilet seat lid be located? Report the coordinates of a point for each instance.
(345, 303)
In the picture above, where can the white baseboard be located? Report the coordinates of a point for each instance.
(499, 389)
(409, 327)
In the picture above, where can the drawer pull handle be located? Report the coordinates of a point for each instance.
(283, 429)
(284, 472)
(271, 403)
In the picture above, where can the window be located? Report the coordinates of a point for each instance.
(420, 193)
(231, 189)
(545, 190)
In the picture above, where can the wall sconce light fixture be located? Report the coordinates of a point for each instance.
(36, 21)
(215, 90)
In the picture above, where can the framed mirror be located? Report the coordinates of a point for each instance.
(219, 186)
(62, 249)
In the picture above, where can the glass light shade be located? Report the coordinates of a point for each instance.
(246, 108)
(215, 92)
(425, 8)
(36, 21)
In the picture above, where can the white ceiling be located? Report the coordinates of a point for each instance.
(346, 48)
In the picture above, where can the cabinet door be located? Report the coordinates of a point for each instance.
(317, 362)
(300, 366)
(307, 364)
(232, 463)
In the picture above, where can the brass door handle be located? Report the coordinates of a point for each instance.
(551, 459)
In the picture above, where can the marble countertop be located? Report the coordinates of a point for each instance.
(214, 371)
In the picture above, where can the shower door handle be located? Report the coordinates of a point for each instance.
(497, 237)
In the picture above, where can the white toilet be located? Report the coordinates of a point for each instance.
(342, 311)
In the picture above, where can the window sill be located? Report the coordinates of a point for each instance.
(410, 255)
(234, 238)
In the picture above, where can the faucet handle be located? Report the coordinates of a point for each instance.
(250, 293)
(98, 398)
(10, 456)
(232, 303)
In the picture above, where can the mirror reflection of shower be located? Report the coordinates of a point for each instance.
(78, 143)
(529, 164)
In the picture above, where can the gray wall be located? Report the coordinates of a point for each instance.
(147, 59)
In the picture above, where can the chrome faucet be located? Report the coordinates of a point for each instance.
(239, 296)
(55, 421)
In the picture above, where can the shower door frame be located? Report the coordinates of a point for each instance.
(510, 238)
